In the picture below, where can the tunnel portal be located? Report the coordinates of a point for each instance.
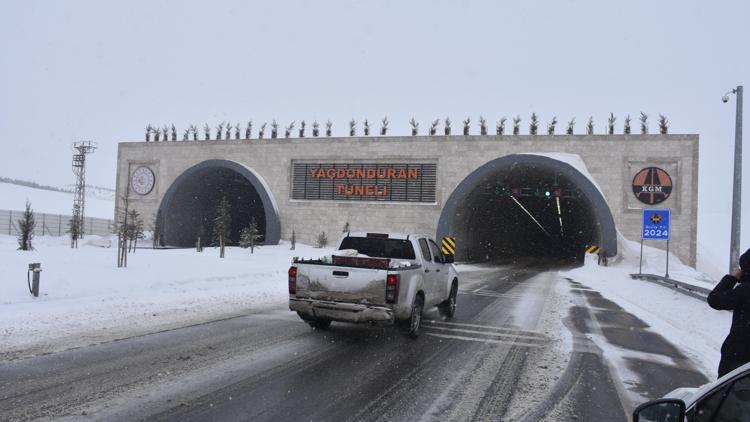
(190, 205)
(527, 206)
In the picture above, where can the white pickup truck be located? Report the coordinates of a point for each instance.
(375, 277)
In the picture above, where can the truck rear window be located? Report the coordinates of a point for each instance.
(380, 247)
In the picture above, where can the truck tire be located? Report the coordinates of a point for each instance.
(415, 320)
(319, 324)
(448, 307)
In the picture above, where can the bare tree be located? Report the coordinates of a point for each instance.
(626, 127)
(157, 134)
(186, 134)
(174, 132)
(207, 131)
(194, 131)
(516, 125)
(352, 127)
(228, 134)
(467, 122)
(237, 129)
(289, 129)
(571, 126)
(500, 126)
(249, 129)
(433, 127)
(533, 124)
(590, 126)
(611, 124)
(165, 132)
(302, 126)
(316, 128)
(329, 128)
(274, 129)
(322, 240)
(149, 129)
(644, 123)
(414, 127)
(482, 126)
(384, 126)
(663, 124)
(262, 130)
(367, 127)
(447, 126)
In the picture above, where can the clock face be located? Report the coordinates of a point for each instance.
(142, 180)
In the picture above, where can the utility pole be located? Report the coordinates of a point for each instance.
(81, 149)
(734, 244)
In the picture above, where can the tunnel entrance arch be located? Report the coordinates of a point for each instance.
(191, 200)
(527, 205)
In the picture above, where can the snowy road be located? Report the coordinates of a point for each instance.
(525, 344)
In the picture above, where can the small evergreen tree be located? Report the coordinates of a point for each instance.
(466, 126)
(186, 134)
(352, 127)
(207, 132)
(250, 236)
(433, 127)
(500, 126)
(516, 125)
(329, 128)
(262, 130)
(663, 124)
(222, 224)
(626, 128)
(644, 123)
(533, 124)
(274, 129)
(135, 229)
(611, 124)
(157, 228)
(384, 126)
(551, 126)
(228, 132)
(174, 132)
(482, 126)
(249, 129)
(302, 126)
(590, 126)
(74, 226)
(200, 237)
(219, 131)
(414, 127)
(293, 241)
(447, 127)
(157, 134)
(149, 129)
(26, 226)
(237, 130)
(289, 129)
(322, 240)
(367, 127)
(346, 228)
(571, 126)
(316, 128)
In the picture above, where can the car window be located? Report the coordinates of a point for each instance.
(380, 247)
(704, 410)
(425, 249)
(436, 252)
(736, 404)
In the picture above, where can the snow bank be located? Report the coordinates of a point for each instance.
(85, 298)
(13, 197)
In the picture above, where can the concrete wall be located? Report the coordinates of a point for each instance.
(612, 160)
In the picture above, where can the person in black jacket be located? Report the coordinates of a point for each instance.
(733, 294)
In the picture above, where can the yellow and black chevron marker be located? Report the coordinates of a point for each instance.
(592, 249)
(449, 245)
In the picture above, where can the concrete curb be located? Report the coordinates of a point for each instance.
(684, 288)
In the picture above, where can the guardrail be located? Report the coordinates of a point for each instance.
(53, 224)
(682, 287)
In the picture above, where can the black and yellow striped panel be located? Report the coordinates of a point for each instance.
(449, 246)
(592, 249)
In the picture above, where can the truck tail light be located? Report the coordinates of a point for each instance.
(391, 288)
(292, 280)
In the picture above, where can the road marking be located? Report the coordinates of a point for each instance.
(480, 292)
(460, 324)
(513, 343)
(487, 333)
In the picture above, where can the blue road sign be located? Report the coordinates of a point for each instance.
(656, 224)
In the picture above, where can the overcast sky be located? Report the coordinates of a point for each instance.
(74, 70)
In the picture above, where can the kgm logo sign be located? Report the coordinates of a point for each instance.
(652, 185)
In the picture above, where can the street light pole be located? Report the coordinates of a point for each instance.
(734, 245)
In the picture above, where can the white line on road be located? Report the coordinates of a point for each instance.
(459, 324)
(486, 333)
(480, 340)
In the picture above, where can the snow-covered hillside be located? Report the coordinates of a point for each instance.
(100, 203)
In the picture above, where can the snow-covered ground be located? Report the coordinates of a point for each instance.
(13, 197)
(85, 298)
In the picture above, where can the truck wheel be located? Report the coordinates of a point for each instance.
(448, 307)
(415, 321)
(319, 324)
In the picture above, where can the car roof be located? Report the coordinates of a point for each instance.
(692, 395)
(402, 236)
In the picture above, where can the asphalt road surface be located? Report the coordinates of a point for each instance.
(519, 348)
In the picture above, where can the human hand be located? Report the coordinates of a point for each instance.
(737, 274)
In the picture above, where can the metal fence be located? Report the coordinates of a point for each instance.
(53, 224)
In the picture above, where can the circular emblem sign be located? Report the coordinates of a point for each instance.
(142, 180)
(652, 185)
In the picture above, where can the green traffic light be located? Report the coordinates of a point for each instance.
(546, 193)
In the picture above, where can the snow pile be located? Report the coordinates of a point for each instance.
(687, 322)
(13, 197)
(82, 291)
